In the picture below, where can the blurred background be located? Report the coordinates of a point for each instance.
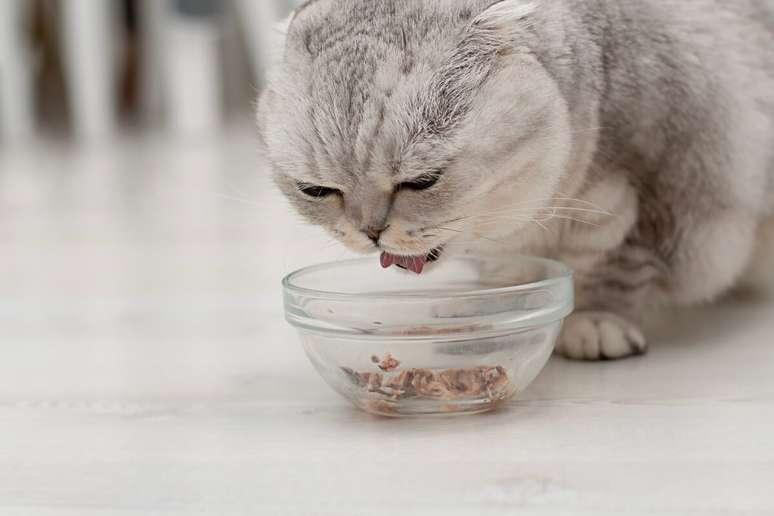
(145, 364)
(142, 242)
(87, 69)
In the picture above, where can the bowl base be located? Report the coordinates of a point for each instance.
(429, 408)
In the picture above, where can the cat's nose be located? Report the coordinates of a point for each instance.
(374, 233)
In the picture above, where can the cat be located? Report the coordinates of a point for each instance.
(630, 139)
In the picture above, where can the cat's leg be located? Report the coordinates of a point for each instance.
(612, 278)
(603, 335)
(705, 260)
(611, 299)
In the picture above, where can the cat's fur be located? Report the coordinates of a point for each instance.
(660, 112)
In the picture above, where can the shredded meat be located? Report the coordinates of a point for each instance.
(449, 385)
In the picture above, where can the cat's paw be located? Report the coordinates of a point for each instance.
(600, 336)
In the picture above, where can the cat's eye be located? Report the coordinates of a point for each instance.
(317, 192)
(424, 182)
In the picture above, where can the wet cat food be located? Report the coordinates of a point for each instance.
(418, 384)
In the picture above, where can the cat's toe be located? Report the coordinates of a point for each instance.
(600, 336)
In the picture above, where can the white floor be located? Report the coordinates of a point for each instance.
(145, 369)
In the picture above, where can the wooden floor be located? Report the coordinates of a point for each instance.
(145, 369)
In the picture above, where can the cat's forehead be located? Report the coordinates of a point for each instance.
(363, 69)
(357, 119)
(323, 24)
(370, 138)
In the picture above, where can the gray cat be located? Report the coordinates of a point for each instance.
(631, 139)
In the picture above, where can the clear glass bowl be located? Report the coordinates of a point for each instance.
(461, 338)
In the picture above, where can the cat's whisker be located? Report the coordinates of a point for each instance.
(458, 219)
(566, 197)
(542, 213)
(591, 208)
(538, 220)
(547, 215)
(543, 218)
(583, 204)
(493, 240)
(543, 226)
(593, 211)
(237, 199)
(574, 219)
(462, 232)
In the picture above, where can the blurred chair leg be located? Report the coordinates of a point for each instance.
(152, 15)
(192, 67)
(17, 118)
(258, 21)
(88, 32)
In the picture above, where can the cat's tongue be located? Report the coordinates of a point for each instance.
(413, 263)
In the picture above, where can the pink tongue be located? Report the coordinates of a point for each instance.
(413, 263)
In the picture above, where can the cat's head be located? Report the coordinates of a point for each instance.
(406, 127)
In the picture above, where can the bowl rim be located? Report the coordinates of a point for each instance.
(564, 274)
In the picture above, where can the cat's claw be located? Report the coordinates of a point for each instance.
(600, 336)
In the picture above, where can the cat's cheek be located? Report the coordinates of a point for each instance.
(352, 239)
(355, 244)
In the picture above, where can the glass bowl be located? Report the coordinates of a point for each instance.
(461, 338)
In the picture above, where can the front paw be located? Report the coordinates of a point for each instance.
(600, 336)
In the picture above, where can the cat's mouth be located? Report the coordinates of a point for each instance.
(414, 264)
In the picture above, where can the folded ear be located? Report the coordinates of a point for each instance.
(504, 19)
(301, 22)
(288, 35)
(490, 36)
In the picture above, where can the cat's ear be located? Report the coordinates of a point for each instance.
(300, 23)
(504, 19)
